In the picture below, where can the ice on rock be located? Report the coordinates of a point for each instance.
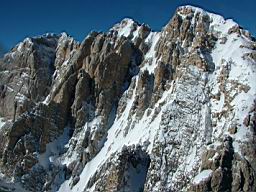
(202, 176)
(125, 27)
(150, 59)
(2, 122)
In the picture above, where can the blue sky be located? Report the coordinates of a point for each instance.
(22, 18)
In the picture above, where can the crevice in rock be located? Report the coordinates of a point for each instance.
(125, 171)
(242, 181)
(136, 172)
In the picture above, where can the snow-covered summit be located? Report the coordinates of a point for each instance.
(125, 27)
(129, 28)
(217, 21)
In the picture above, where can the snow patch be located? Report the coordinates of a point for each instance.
(217, 22)
(202, 176)
(125, 27)
(54, 149)
(150, 59)
(144, 131)
(2, 122)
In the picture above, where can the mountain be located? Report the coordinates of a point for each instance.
(132, 110)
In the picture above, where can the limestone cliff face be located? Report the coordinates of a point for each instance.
(132, 109)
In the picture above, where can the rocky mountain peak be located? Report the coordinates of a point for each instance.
(131, 29)
(131, 109)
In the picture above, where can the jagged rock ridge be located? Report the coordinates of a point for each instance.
(132, 109)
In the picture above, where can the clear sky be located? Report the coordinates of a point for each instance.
(23, 18)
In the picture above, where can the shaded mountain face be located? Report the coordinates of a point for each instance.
(131, 109)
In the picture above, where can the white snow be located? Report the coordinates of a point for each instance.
(143, 131)
(2, 122)
(136, 33)
(191, 159)
(150, 59)
(47, 100)
(20, 47)
(216, 155)
(216, 105)
(202, 176)
(230, 55)
(20, 98)
(54, 149)
(217, 21)
(125, 27)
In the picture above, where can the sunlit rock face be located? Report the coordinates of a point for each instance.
(132, 109)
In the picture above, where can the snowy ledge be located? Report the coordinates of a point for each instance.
(203, 176)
